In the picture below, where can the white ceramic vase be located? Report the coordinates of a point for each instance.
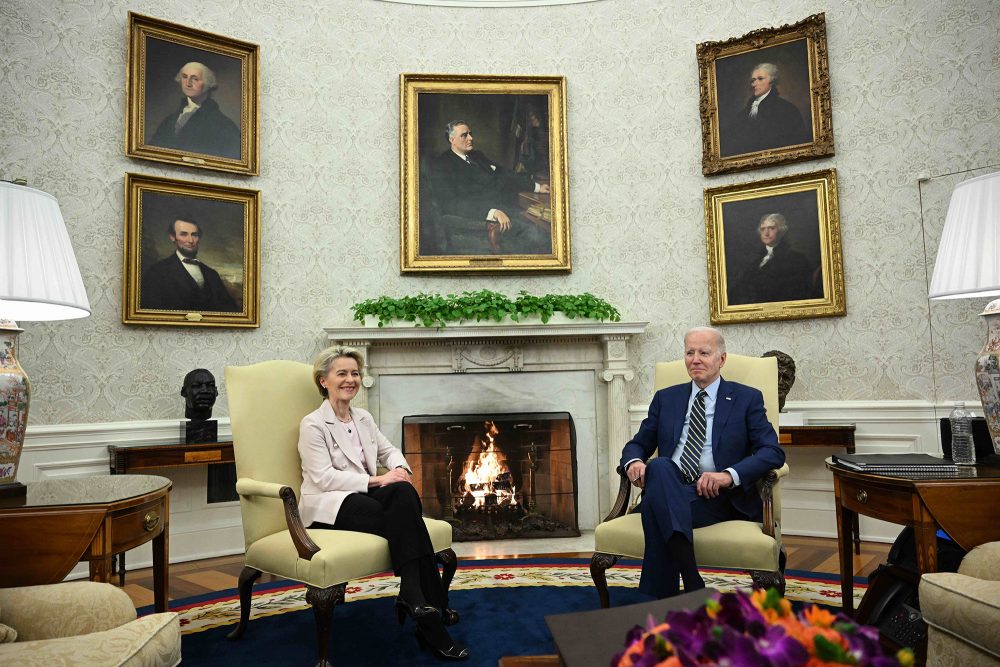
(988, 372)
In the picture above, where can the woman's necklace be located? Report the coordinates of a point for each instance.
(346, 422)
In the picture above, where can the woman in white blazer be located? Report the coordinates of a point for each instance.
(340, 448)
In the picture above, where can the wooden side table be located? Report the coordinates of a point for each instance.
(126, 459)
(818, 435)
(964, 507)
(64, 521)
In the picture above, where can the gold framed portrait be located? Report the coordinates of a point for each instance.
(192, 254)
(765, 98)
(483, 175)
(191, 97)
(774, 249)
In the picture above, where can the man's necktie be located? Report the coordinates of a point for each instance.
(697, 428)
(188, 260)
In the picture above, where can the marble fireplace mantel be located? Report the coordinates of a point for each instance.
(600, 347)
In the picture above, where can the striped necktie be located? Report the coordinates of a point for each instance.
(697, 428)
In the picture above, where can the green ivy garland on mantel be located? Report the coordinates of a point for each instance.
(434, 310)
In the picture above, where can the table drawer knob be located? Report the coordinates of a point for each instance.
(862, 496)
(150, 521)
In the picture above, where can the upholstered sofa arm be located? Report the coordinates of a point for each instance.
(983, 562)
(64, 610)
(304, 545)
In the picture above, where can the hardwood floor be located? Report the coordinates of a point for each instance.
(814, 554)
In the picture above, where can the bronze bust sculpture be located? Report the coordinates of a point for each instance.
(786, 375)
(199, 392)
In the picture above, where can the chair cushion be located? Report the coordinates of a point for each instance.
(150, 641)
(344, 555)
(732, 544)
(65, 609)
(963, 606)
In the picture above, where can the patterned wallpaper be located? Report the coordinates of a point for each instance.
(914, 87)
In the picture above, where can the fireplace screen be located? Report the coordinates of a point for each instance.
(497, 476)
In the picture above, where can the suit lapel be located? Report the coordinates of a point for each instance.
(340, 435)
(723, 408)
(678, 410)
(367, 438)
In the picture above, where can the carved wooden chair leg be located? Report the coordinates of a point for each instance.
(599, 563)
(323, 600)
(449, 561)
(247, 576)
(765, 580)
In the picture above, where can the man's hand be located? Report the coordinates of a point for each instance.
(391, 477)
(637, 474)
(711, 483)
(543, 187)
(503, 219)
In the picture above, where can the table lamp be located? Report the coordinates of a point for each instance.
(968, 265)
(39, 280)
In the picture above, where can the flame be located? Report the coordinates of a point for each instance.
(486, 475)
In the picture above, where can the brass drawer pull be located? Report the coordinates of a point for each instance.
(150, 521)
(862, 496)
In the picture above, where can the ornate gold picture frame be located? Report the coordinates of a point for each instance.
(765, 98)
(191, 97)
(774, 249)
(483, 175)
(192, 254)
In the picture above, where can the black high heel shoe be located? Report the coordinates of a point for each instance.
(404, 608)
(453, 652)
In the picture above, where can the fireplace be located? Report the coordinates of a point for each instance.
(496, 476)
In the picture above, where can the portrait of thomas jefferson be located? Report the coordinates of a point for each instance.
(764, 100)
(193, 100)
(772, 250)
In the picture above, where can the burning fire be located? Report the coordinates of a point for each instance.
(486, 480)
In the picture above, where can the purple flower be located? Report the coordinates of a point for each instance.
(780, 649)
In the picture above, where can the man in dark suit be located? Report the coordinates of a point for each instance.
(476, 194)
(182, 281)
(198, 125)
(714, 443)
(775, 272)
(767, 120)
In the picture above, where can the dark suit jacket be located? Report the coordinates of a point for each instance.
(778, 124)
(470, 191)
(742, 438)
(787, 276)
(208, 131)
(168, 286)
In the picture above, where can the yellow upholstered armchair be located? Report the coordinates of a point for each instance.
(746, 545)
(962, 610)
(266, 403)
(83, 623)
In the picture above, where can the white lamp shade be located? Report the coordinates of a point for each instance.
(39, 276)
(968, 258)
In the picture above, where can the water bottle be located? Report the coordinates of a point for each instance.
(963, 452)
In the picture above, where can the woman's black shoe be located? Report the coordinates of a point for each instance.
(453, 652)
(403, 608)
(450, 616)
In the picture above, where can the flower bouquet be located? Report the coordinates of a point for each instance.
(755, 630)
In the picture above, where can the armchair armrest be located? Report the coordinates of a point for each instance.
(624, 493)
(66, 609)
(304, 545)
(766, 487)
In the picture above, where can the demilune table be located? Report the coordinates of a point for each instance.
(64, 521)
